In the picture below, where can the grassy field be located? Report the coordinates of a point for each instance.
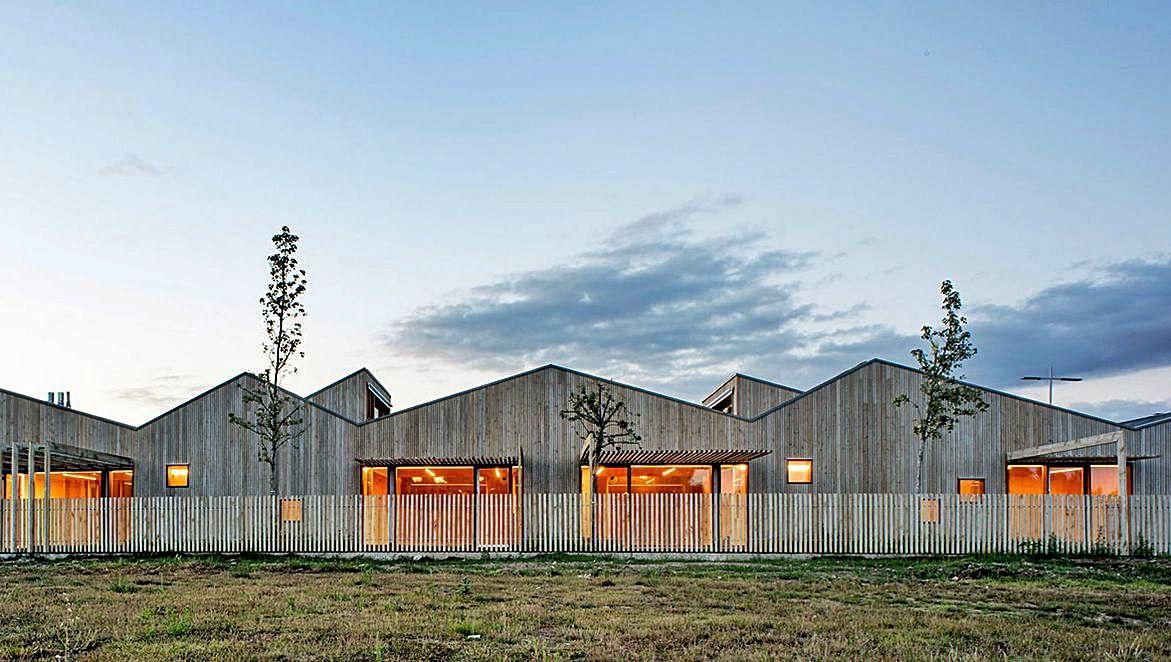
(574, 608)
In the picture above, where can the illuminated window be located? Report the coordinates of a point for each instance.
(178, 475)
(1067, 480)
(799, 471)
(290, 510)
(375, 481)
(1026, 479)
(971, 487)
(671, 480)
(434, 480)
(734, 479)
(121, 483)
(497, 480)
(1104, 480)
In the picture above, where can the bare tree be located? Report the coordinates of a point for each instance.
(276, 417)
(945, 399)
(601, 421)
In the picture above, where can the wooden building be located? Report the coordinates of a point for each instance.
(506, 437)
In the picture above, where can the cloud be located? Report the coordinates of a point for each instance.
(132, 165)
(656, 305)
(1121, 409)
(664, 306)
(161, 393)
(1115, 322)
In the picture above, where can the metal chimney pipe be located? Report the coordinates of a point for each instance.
(50, 397)
(68, 400)
(60, 398)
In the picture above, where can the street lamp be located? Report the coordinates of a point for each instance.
(1051, 378)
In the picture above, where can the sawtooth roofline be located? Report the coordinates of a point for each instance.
(550, 366)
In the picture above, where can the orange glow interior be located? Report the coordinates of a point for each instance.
(375, 481)
(1104, 480)
(121, 484)
(1026, 479)
(972, 486)
(178, 475)
(63, 485)
(671, 480)
(799, 471)
(434, 480)
(1067, 480)
(734, 479)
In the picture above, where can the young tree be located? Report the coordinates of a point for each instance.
(271, 413)
(945, 399)
(601, 421)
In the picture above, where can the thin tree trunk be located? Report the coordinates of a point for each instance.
(592, 481)
(272, 478)
(919, 466)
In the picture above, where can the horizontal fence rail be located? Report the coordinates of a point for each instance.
(807, 524)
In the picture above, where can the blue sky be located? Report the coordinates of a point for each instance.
(659, 192)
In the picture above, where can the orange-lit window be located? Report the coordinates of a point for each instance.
(497, 480)
(434, 480)
(1067, 480)
(1026, 479)
(971, 487)
(672, 479)
(375, 481)
(178, 475)
(1104, 480)
(121, 483)
(799, 471)
(734, 479)
(607, 480)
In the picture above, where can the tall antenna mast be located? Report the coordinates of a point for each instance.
(1051, 378)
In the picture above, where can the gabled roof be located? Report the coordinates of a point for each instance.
(1147, 421)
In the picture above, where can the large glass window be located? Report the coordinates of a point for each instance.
(497, 480)
(121, 483)
(1104, 480)
(734, 479)
(671, 480)
(1026, 479)
(434, 480)
(1067, 480)
(971, 486)
(375, 481)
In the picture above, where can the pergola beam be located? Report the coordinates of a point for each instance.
(1118, 437)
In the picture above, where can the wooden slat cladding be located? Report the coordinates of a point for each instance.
(858, 441)
(347, 396)
(755, 396)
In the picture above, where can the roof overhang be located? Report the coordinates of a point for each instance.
(1086, 459)
(64, 458)
(701, 456)
(430, 461)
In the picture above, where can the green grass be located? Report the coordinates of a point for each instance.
(565, 607)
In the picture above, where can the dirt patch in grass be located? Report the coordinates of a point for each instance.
(584, 608)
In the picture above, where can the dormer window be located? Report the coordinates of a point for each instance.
(377, 405)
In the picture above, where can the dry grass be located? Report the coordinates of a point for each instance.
(219, 608)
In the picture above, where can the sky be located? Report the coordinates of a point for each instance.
(660, 193)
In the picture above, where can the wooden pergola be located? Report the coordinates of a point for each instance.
(1118, 438)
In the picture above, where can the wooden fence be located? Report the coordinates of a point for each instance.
(881, 524)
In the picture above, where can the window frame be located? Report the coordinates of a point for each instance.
(788, 460)
(186, 475)
(973, 497)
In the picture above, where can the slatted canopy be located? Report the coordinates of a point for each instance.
(1086, 459)
(703, 456)
(429, 461)
(63, 458)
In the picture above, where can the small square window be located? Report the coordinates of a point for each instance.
(177, 475)
(799, 471)
(971, 489)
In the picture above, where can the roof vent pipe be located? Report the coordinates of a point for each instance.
(60, 398)
(68, 400)
(50, 397)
